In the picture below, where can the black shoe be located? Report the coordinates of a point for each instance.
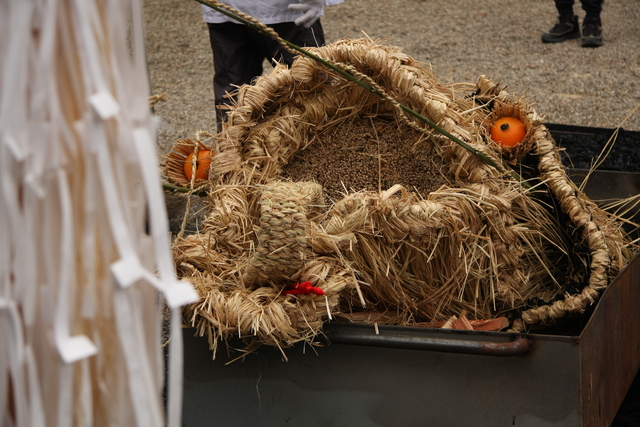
(592, 32)
(566, 28)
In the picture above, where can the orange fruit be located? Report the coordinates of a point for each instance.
(202, 164)
(508, 131)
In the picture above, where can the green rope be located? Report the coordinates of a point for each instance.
(177, 189)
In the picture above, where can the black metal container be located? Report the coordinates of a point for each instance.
(406, 376)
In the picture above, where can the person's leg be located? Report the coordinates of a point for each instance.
(298, 35)
(592, 8)
(566, 27)
(236, 61)
(592, 25)
(565, 8)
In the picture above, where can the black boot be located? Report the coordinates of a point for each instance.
(591, 32)
(566, 28)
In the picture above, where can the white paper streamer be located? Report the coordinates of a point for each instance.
(80, 323)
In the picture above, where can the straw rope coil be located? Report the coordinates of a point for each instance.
(477, 240)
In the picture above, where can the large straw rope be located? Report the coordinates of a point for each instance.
(605, 252)
(477, 244)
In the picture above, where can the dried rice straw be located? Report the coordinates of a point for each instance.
(484, 244)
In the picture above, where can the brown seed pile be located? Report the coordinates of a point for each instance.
(368, 153)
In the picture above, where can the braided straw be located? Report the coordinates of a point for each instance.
(483, 243)
(606, 252)
(282, 248)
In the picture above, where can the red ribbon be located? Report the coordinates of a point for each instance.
(303, 288)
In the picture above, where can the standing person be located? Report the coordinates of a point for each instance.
(568, 26)
(239, 51)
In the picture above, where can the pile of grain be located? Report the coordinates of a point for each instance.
(368, 153)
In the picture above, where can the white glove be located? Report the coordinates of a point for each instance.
(312, 11)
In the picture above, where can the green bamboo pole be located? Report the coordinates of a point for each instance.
(177, 189)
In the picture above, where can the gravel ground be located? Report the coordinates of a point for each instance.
(461, 39)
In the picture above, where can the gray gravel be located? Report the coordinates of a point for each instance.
(461, 39)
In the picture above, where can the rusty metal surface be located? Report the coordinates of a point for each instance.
(610, 349)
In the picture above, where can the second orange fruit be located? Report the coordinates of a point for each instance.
(508, 131)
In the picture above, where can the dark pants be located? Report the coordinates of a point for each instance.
(591, 7)
(239, 52)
